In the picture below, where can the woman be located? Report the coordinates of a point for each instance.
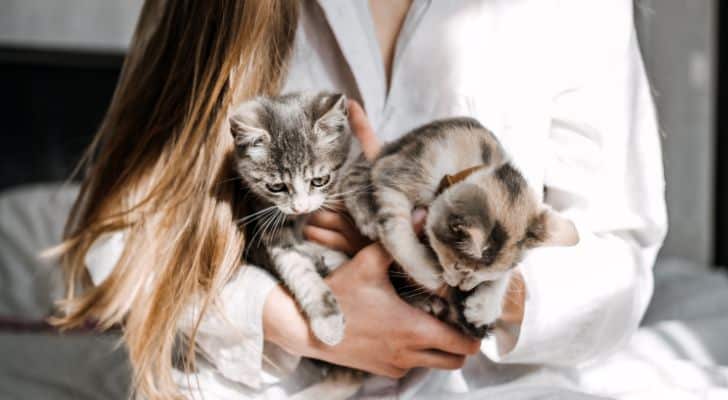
(560, 82)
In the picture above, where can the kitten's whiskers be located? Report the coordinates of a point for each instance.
(261, 228)
(363, 189)
(278, 224)
(251, 217)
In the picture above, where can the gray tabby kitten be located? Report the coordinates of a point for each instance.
(289, 151)
(482, 216)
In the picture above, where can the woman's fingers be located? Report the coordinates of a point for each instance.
(436, 359)
(436, 334)
(363, 130)
(419, 217)
(329, 238)
(342, 234)
(391, 372)
(331, 220)
(514, 305)
(375, 259)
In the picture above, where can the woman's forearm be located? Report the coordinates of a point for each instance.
(285, 326)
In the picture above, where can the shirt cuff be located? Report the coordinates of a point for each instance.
(230, 334)
(576, 304)
(525, 342)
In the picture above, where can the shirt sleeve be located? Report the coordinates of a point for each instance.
(605, 173)
(230, 334)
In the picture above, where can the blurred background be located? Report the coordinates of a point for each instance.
(59, 62)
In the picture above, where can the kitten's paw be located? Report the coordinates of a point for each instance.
(329, 329)
(333, 259)
(482, 310)
(369, 230)
(470, 282)
(434, 305)
(478, 332)
(428, 274)
(364, 219)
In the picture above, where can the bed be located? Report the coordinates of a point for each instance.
(680, 351)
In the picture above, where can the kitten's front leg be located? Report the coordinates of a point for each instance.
(399, 238)
(484, 305)
(298, 270)
(330, 259)
(356, 185)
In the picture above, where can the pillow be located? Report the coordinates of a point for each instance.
(31, 220)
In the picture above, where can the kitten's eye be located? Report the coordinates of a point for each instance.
(321, 180)
(275, 187)
(456, 224)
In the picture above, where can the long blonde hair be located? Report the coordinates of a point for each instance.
(159, 170)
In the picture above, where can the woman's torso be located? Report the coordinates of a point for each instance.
(465, 58)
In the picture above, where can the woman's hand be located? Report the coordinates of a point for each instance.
(384, 335)
(513, 306)
(336, 231)
(370, 144)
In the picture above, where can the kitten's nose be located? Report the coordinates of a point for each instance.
(299, 206)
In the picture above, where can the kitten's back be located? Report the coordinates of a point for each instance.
(417, 162)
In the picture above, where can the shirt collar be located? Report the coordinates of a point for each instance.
(350, 22)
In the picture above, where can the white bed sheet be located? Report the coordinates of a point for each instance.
(680, 352)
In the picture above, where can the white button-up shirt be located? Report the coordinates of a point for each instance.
(562, 84)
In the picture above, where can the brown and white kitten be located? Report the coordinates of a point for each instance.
(478, 228)
(289, 152)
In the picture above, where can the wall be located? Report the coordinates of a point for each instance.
(76, 24)
(678, 40)
(677, 37)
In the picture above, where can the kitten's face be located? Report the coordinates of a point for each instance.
(289, 149)
(296, 191)
(478, 236)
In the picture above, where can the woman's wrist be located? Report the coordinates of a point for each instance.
(285, 326)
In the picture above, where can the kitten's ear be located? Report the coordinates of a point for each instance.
(333, 120)
(549, 228)
(245, 126)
